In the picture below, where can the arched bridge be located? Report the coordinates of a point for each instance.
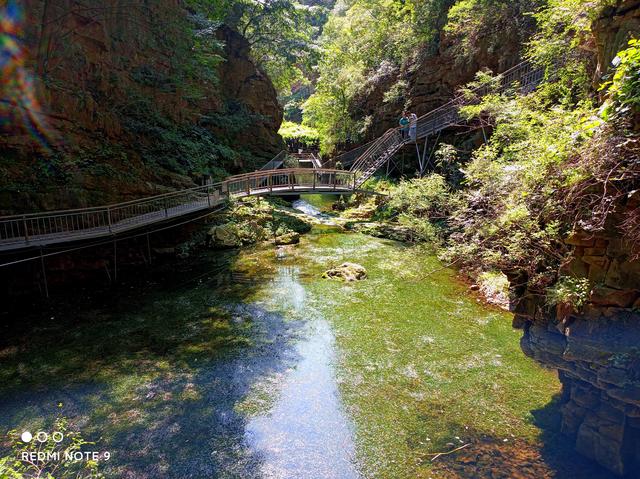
(41, 229)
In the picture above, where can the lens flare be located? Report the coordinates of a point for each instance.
(19, 104)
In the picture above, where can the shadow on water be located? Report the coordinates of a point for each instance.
(156, 378)
(557, 450)
(551, 457)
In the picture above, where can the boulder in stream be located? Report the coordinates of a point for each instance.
(347, 272)
(288, 238)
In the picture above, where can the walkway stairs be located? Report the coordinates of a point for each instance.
(365, 160)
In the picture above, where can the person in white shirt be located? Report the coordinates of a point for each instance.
(413, 126)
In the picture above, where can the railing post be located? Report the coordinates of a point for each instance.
(208, 196)
(166, 210)
(26, 230)
(314, 180)
(248, 186)
(354, 181)
(109, 219)
(270, 183)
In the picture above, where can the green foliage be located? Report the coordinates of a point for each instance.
(423, 197)
(397, 92)
(361, 41)
(12, 467)
(420, 205)
(564, 26)
(569, 291)
(510, 217)
(624, 88)
(305, 134)
(472, 23)
(280, 33)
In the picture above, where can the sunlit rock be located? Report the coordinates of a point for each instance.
(347, 272)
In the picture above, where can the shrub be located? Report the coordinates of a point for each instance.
(569, 291)
(624, 87)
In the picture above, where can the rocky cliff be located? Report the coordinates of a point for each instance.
(596, 347)
(113, 100)
(431, 78)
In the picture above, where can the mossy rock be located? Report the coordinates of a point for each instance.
(234, 235)
(347, 272)
(288, 238)
(293, 223)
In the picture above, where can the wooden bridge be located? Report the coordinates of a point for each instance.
(52, 227)
(41, 229)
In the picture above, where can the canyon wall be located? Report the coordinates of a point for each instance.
(596, 349)
(108, 101)
(432, 78)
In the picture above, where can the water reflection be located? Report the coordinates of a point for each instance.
(306, 433)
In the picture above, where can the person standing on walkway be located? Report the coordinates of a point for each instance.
(404, 125)
(413, 126)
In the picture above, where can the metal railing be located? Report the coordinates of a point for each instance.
(290, 180)
(523, 79)
(276, 162)
(76, 224)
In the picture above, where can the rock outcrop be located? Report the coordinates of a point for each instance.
(347, 272)
(109, 101)
(596, 350)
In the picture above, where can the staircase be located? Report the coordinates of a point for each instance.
(522, 79)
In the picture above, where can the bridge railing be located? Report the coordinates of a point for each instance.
(524, 78)
(289, 179)
(88, 221)
(77, 224)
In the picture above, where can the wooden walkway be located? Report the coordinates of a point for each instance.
(66, 226)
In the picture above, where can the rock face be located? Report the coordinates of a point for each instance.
(432, 79)
(347, 272)
(110, 101)
(243, 82)
(613, 30)
(596, 351)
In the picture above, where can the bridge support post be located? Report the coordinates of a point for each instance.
(109, 219)
(115, 260)
(44, 275)
(149, 249)
(208, 200)
(314, 180)
(26, 229)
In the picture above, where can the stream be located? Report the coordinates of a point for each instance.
(248, 364)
